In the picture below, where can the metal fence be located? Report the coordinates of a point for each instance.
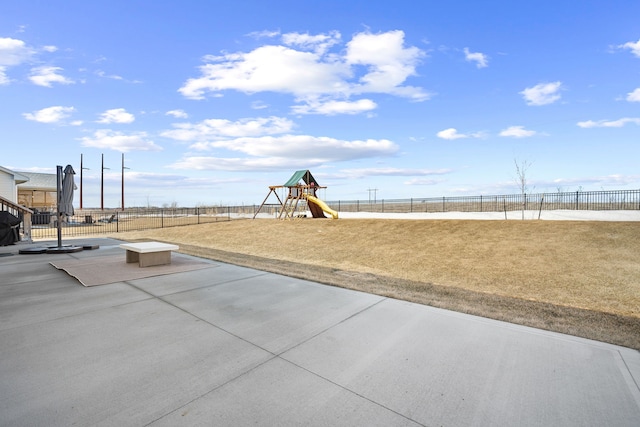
(578, 200)
(87, 222)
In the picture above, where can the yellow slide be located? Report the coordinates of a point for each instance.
(322, 206)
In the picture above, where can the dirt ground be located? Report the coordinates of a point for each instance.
(580, 278)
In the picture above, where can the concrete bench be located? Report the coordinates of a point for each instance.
(147, 254)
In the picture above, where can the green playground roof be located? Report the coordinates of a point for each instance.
(304, 175)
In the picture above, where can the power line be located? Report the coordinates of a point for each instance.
(375, 190)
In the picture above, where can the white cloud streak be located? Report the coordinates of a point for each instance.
(305, 146)
(453, 134)
(333, 107)
(119, 141)
(517, 132)
(288, 151)
(634, 96)
(609, 123)
(179, 114)
(4, 79)
(216, 129)
(266, 143)
(634, 47)
(116, 115)
(366, 172)
(319, 43)
(53, 114)
(542, 94)
(480, 59)
(46, 76)
(450, 134)
(14, 52)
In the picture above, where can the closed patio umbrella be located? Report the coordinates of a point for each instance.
(65, 189)
(66, 195)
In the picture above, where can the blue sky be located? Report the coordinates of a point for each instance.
(211, 102)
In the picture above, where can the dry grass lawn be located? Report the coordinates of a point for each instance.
(581, 278)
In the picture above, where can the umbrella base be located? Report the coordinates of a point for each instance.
(64, 249)
(32, 251)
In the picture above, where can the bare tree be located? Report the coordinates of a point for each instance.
(521, 171)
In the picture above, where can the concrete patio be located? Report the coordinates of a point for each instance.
(229, 345)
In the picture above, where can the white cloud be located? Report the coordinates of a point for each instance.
(517, 132)
(634, 47)
(116, 115)
(608, 180)
(118, 141)
(389, 63)
(306, 146)
(480, 59)
(263, 34)
(286, 151)
(265, 143)
(609, 123)
(4, 80)
(178, 114)
(101, 73)
(45, 76)
(50, 114)
(452, 133)
(215, 129)
(372, 63)
(238, 163)
(634, 96)
(365, 172)
(319, 43)
(542, 94)
(267, 68)
(424, 181)
(259, 105)
(14, 52)
(333, 107)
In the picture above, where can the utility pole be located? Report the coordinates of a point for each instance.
(81, 169)
(374, 190)
(102, 184)
(122, 181)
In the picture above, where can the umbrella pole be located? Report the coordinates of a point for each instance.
(59, 193)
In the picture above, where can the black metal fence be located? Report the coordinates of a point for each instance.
(578, 200)
(87, 222)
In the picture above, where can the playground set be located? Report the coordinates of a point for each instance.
(301, 189)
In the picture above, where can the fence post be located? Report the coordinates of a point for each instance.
(411, 206)
(577, 200)
(540, 210)
(443, 205)
(117, 222)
